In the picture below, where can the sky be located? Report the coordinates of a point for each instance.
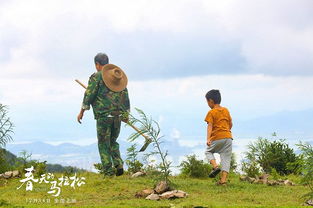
(259, 54)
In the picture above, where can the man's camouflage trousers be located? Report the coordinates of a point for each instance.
(108, 130)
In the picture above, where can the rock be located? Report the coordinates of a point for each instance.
(288, 183)
(258, 181)
(309, 202)
(8, 174)
(272, 183)
(264, 176)
(250, 180)
(15, 173)
(181, 194)
(161, 187)
(138, 174)
(173, 194)
(243, 178)
(154, 197)
(144, 193)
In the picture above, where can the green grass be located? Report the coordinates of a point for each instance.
(120, 191)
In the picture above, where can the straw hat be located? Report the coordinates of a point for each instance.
(114, 77)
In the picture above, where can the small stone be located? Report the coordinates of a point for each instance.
(251, 180)
(144, 193)
(264, 176)
(258, 181)
(181, 194)
(309, 202)
(8, 174)
(288, 183)
(138, 174)
(173, 194)
(15, 173)
(162, 187)
(154, 197)
(167, 195)
(273, 183)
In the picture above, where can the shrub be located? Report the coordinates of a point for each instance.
(150, 167)
(307, 152)
(4, 165)
(233, 163)
(6, 129)
(24, 161)
(192, 167)
(99, 168)
(272, 155)
(152, 129)
(251, 168)
(6, 126)
(134, 165)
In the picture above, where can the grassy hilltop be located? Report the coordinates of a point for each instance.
(120, 191)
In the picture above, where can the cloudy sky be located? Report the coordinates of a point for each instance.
(258, 53)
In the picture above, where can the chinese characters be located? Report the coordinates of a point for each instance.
(49, 178)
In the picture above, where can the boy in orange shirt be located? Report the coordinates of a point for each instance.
(219, 137)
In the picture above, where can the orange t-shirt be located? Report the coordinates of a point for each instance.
(220, 119)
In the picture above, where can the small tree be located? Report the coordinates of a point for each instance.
(134, 165)
(24, 161)
(6, 129)
(271, 155)
(192, 167)
(151, 128)
(6, 126)
(307, 152)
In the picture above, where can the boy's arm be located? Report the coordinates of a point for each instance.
(210, 127)
(230, 124)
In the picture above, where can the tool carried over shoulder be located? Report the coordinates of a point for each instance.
(147, 139)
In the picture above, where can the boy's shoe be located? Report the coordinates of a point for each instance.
(214, 172)
(119, 171)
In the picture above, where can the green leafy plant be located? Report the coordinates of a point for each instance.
(233, 162)
(151, 128)
(149, 166)
(6, 129)
(251, 168)
(192, 167)
(24, 161)
(271, 154)
(6, 126)
(4, 165)
(99, 168)
(307, 152)
(134, 165)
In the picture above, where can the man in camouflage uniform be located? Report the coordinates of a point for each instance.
(109, 108)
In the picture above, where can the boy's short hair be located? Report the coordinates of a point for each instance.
(215, 95)
(102, 59)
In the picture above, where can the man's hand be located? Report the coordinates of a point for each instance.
(125, 120)
(209, 142)
(125, 117)
(80, 116)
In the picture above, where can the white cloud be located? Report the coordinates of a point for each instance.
(274, 37)
(247, 96)
(175, 134)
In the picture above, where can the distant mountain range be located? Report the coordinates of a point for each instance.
(84, 157)
(187, 141)
(12, 159)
